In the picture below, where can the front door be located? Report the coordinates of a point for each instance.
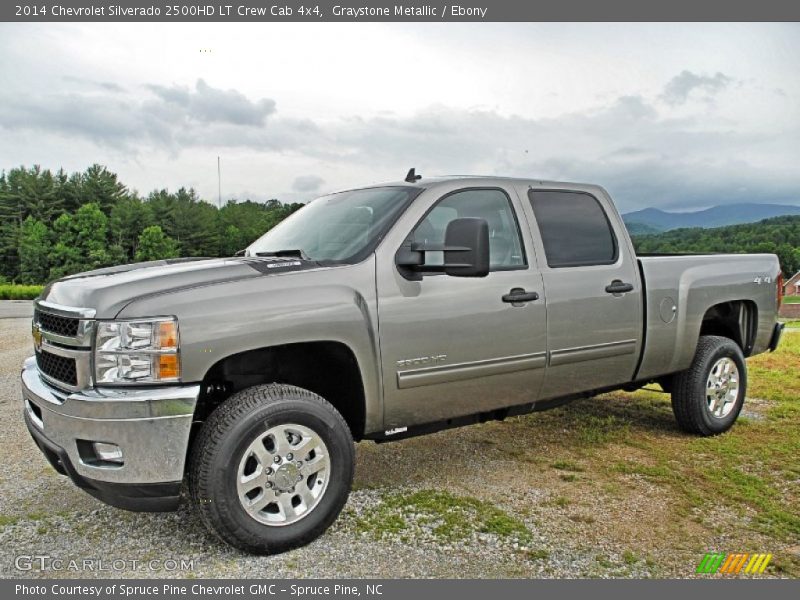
(453, 346)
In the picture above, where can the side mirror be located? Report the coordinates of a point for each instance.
(466, 248)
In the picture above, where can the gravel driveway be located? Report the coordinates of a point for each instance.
(453, 504)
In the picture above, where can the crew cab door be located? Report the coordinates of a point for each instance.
(594, 295)
(453, 346)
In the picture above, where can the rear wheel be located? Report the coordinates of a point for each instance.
(708, 397)
(271, 468)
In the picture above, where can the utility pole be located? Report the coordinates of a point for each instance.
(219, 184)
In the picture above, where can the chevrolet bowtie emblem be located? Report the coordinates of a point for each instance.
(37, 337)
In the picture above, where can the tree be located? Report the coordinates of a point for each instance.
(100, 186)
(80, 242)
(190, 221)
(232, 241)
(129, 218)
(34, 251)
(155, 245)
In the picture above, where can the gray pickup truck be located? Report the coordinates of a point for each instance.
(375, 313)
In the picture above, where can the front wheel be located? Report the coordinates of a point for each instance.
(271, 468)
(708, 396)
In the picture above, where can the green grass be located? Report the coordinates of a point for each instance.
(791, 299)
(745, 469)
(446, 516)
(741, 484)
(629, 558)
(567, 465)
(8, 520)
(12, 291)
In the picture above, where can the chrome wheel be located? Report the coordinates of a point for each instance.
(283, 474)
(722, 387)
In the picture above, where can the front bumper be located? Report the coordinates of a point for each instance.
(150, 425)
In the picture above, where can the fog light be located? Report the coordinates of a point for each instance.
(108, 452)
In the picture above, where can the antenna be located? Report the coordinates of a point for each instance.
(412, 176)
(219, 184)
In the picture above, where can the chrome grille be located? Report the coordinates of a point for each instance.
(57, 367)
(62, 340)
(63, 326)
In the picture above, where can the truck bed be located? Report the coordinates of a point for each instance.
(681, 289)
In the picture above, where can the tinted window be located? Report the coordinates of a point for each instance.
(574, 229)
(505, 247)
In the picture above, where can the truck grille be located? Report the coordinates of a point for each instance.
(57, 367)
(64, 326)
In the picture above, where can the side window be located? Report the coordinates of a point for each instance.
(505, 247)
(574, 228)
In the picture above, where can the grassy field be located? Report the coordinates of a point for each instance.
(748, 477)
(791, 299)
(13, 291)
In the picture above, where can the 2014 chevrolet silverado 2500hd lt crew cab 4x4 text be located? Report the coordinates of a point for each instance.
(375, 313)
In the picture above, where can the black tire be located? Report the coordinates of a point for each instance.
(224, 438)
(689, 401)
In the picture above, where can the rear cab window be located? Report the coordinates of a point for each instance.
(574, 228)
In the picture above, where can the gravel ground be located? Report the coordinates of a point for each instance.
(513, 523)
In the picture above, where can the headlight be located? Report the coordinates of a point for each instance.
(139, 351)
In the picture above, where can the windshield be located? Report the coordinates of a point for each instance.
(343, 227)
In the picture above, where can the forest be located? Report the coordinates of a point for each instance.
(778, 235)
(54, 224)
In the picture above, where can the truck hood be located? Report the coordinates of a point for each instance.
(109, 290)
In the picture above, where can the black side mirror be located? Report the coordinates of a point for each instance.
(466, 248)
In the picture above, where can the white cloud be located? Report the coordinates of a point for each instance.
(665, 115)
(680, 87)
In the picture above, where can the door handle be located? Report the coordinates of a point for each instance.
(519, 295)
(619, 287)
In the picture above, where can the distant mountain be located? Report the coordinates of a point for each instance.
(641, 228)
(716, 216)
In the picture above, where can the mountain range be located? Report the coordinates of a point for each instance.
(654, 220)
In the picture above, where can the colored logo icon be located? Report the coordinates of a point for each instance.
(734, 564)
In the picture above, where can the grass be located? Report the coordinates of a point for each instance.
(629, 558)
(13, 291)
(445, 516)
(791, 299)
(567, 465)
(741, 485)
(745, 469)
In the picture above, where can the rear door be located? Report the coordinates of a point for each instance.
(453, 346)
(594, 295)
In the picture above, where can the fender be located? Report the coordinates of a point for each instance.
(226, 318)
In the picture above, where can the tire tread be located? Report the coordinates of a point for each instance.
(212, 435)
(688, 411)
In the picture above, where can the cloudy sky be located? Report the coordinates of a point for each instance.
(674, 116)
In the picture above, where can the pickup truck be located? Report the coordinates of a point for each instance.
(374, 314)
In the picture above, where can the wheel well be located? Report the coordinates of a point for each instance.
(735, 320)
(329, 369)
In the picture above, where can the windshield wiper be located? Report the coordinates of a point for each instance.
(286, 253)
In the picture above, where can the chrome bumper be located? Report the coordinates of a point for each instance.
(150, 425)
